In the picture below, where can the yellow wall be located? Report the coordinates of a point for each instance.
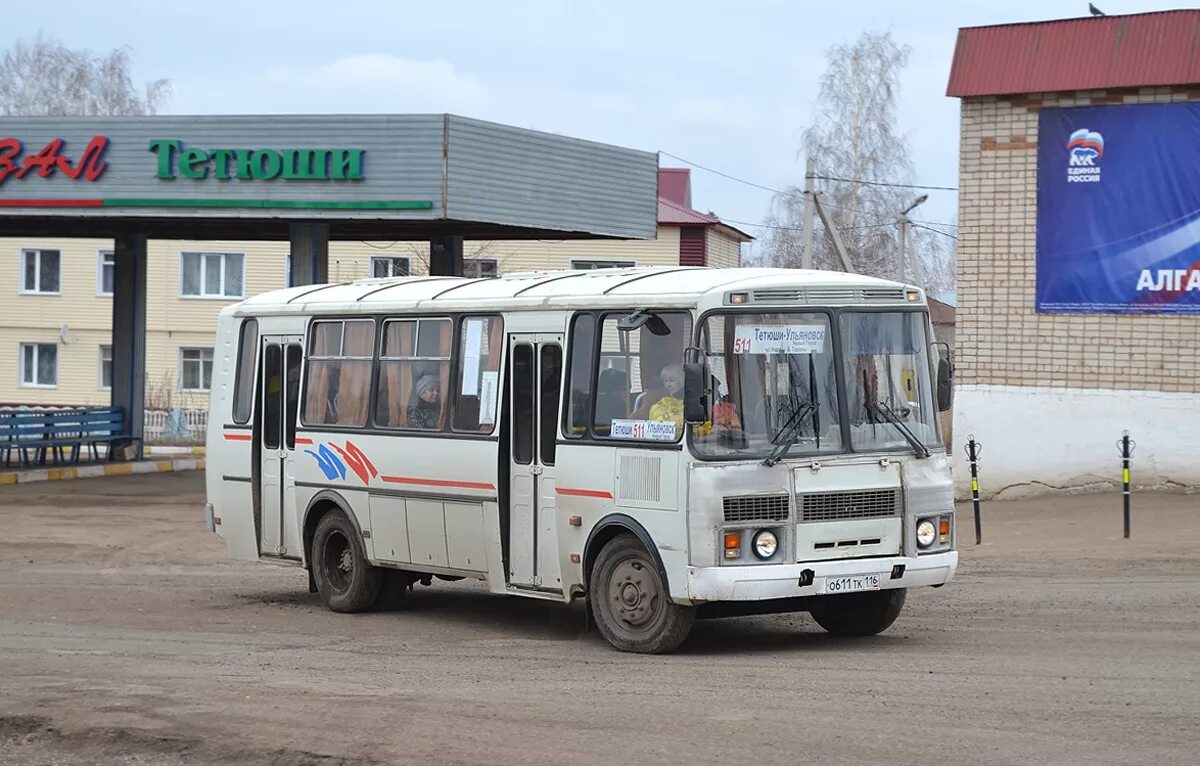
(175, 322)
(724, 252)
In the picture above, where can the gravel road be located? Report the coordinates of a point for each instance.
(126, 636)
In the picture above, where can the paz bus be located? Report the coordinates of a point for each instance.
(662, 442)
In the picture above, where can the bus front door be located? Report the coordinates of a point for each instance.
(535, 380)
(280, 398)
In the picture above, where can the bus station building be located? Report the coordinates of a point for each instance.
(1078, 311)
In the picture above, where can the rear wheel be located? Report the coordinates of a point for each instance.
(859, 614)
(630, 601)
(345, 580)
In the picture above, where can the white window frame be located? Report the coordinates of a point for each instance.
(100, 367)
(627, 263)
(100, 263)
(203, 296)
(201, 349)
(38, 269)
(390, 259)
(494, 261)
(21, 364)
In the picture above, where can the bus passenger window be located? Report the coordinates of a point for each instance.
(414, 374)
(337, 389)
(579, 389)
(477, 370)
(243, 384)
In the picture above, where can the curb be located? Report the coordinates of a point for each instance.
(166, 449)
(63, 473)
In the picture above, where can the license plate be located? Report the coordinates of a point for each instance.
(849, 584)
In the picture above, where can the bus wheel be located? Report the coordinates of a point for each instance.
(859, 614)
(346, 582)
(630, 602)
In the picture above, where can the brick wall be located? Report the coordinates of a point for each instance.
(1001, 340)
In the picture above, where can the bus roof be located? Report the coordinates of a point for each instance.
(662, 286)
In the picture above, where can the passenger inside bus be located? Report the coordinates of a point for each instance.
(425, 408)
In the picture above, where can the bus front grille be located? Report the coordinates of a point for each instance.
(840, 506)
(743, 508)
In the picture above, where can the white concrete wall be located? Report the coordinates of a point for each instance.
(1040, 439)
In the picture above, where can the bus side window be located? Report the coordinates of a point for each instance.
(337, 389)
(414, 374)
(243, 384)
(477, 372)
(579, 387)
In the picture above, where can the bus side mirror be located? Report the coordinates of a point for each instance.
(945, 383)
(695, 401)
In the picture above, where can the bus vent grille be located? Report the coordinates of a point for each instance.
(839, 506)
(639, 478)
(744, 508)
(821, 295)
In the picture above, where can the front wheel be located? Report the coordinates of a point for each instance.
(859, 614)
(631, 603)
(345, 579)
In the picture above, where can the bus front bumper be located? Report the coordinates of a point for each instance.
(771, 581)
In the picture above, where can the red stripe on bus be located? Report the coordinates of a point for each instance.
(238, 437)
(438, 482)
(51, 203)
(585, 493)
(302, 440)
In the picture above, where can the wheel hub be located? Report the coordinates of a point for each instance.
(635, 594)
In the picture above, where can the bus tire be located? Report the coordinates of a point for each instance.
(345, 580)
(859, 614)
(630, 601)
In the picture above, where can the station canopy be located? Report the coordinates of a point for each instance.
(365, 176)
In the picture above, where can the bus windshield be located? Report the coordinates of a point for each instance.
(775, 391)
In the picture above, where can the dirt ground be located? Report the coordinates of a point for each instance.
(126, 636)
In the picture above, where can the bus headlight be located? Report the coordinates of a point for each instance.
(926, 533)
(765, 544)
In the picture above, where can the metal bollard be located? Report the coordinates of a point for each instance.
(1125, 447)
(974, 450)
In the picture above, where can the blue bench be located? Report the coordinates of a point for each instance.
(50, 433)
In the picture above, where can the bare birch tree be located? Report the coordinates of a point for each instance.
(854, 137)
(46, 78)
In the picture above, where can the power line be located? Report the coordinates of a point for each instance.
(935, 231)
(884, 183)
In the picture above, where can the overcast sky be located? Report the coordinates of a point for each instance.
(727, 85)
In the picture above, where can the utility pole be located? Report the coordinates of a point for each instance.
(905, 226)
(810, 172)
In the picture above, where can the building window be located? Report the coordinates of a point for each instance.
(105, 266)
(480, 268)
(287, 270)
(389, 266)
(39, 365)
(105, 366)
(212, 275)
(587, 265)
(195, 369)
(41, 271)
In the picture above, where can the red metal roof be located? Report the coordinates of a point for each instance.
(1092, 53)
(675, 184)
(675, 203)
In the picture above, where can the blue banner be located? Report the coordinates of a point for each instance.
(1118, 209)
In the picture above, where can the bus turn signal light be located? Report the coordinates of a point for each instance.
(944, 530)
(733, 545)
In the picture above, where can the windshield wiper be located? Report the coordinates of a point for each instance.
(792, 430)
(882, 410)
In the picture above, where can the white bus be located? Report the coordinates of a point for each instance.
(660, 441)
